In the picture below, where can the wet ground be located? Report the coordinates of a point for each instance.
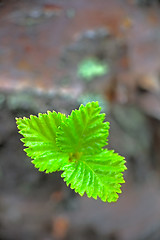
(45, 50)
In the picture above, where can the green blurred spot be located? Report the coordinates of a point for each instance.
(91, 68)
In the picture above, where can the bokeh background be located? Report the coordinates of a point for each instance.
(55, 55)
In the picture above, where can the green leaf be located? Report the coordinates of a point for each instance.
(99, 175)
(74, 145)
(50, 161)
(40, 139)
(84, 130)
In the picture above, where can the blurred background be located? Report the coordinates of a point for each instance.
(55, 55)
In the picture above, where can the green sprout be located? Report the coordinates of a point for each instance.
(91, 68)
(75, 145)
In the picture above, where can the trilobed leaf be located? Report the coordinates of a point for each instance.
(75, 146)
(40, 139)
(84, 130)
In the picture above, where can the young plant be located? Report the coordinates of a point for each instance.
(75, 145)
